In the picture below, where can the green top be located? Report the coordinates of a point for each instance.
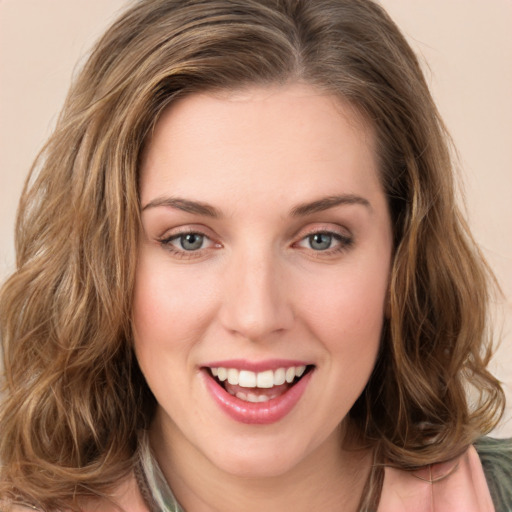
(496, 458)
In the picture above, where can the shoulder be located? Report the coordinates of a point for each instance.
(496, 458)
(456, 485)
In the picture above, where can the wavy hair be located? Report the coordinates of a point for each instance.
(74, 397)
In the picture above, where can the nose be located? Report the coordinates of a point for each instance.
(256, 301)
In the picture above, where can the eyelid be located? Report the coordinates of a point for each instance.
(186, 230)
(332, 229)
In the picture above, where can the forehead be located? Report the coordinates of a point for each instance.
(273, 141)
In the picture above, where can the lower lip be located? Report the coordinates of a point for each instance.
(261, 413)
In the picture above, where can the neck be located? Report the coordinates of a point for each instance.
(331, 478)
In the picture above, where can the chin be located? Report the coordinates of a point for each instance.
(262, 459)
(257, 467)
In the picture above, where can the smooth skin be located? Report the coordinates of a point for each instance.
(266, 234)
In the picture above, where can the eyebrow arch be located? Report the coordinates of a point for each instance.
(328, 202)
(186, 205)
(200, 208)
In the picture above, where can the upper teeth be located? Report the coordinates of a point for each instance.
(265, 379)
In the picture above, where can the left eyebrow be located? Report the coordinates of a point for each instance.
(328, 202)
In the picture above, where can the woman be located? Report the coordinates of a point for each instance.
(242, 280)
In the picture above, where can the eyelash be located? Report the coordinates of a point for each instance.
(344, 243)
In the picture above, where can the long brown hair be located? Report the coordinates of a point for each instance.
(74, 396)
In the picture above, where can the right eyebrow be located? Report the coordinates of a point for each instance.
(325, 203)
(186, 205)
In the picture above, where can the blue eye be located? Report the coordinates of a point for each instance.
(186, 243)
(327, 242)
(320, 241)
(189, 244)
(189, 241)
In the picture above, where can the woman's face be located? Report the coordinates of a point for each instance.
(264, 258)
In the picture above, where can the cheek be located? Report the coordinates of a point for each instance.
(170, 308)
(346, 310)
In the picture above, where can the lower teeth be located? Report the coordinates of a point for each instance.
(251, 397)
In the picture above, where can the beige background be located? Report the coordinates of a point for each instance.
(466, 47)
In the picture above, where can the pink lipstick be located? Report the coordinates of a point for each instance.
(257, 393)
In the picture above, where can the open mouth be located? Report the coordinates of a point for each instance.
(257, 387)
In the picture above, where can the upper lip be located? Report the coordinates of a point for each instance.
(256, 366)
